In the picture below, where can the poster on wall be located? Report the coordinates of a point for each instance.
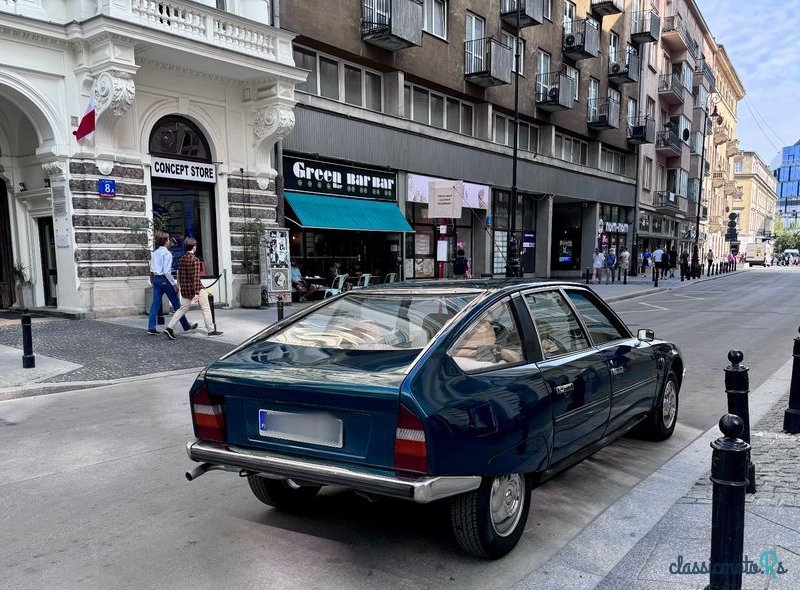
(422, 243)
(275, 263)
(423, 268)
(474, 196)
(565, 251)
(444, 200)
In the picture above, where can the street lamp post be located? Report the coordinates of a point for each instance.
(695, 271)
(512, 252)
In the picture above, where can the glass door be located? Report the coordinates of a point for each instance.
(474, 48)
(47, 245)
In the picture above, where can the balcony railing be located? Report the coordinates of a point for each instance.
(670, 88)
(704, 74)
(667, 201)
(729, 188)
(676, 37)
(668, 143)
(645, 27)
(625, 71)
(601, 8)
(581, 39)
(603, 113)
(487, 62)
(555, 91)
(717, 179)
(392, 24)
(641, 130)
(531, 12)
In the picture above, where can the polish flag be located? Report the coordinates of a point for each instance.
(86, 125)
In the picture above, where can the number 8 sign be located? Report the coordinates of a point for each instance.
(106, 187)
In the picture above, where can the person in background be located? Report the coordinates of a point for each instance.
(192, 291)
(624, 259)
(658, 260)
(598, 264)
(299, 284)
(460, 265)
(646, 260)
(611, 264)
(335, 269)
(684, 258)
(710, 260)
(164, 284)
(673, 261)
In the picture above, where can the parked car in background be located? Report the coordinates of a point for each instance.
(468, 392)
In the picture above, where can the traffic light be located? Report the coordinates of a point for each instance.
(732, 235)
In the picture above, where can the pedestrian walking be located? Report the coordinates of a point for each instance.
(163, 283)
(460, 264)
(710, 259)
(684, 258)
(658, 260)
(611, 264)
(624, 259)
(673, 261)
(646, 260)
(192, 291)
(598, 264)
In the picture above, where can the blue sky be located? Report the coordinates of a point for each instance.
(761, 39)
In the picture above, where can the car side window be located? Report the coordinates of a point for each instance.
(491, 342)
(601, 327)
(558, 328)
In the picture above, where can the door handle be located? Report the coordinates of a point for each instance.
(617, 370)
(564, 389)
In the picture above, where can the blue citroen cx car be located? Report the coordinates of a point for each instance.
(467, 392)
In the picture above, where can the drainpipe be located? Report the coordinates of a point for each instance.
(276, 14)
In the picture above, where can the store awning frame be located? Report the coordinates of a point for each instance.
(315, 211)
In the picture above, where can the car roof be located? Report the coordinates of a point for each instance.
(485, 285)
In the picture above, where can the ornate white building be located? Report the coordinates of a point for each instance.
(190, 102)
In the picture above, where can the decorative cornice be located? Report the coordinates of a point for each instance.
(190, 72)
(273, 123)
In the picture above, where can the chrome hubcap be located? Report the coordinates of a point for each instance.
(669, 408)
(505, 503)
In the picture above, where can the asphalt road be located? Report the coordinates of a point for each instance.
(92, 493)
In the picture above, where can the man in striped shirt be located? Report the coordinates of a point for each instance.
(192, 291)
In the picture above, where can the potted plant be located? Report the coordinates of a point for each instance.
(252, 236)
(24, 287)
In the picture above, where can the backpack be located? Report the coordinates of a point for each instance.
(460, 265)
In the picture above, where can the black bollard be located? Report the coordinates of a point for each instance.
(624, 276)
(619, 273)
(655, 276)
(280, 308)
(588, 275)
(28, 358)
(791, 417)
(729, 476)
(213, 313)
(737, 388)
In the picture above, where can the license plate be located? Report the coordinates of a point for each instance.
(315, 429)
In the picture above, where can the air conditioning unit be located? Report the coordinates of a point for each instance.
(570, 40)
(553, 93)
(637, 131)
(617, 67)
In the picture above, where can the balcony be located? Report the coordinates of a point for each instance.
(487, 62)
(392, 24)
(601, 8)
(531, 12)
(555, 91)
(667, 202)
(669, 144)
(718, 180)
(645, 27)
(641, 130)
(704, 75)
(675, 36)
(603, 113)
(732, 148)
(581, 39)
(722, 133)
(670, 89)
(624, 72)
(729, 188)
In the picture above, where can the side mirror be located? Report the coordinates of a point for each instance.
(646, 335)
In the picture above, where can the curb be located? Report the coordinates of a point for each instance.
(49, 388)
(594, 552)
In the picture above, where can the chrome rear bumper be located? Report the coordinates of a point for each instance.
(421, 489)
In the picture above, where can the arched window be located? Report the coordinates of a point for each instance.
(177, 137)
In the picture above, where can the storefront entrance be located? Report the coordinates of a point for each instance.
(7, 297)
(47, 246)
(567, 238)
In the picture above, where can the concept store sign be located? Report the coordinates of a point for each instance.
(183, 170)
(313, 176)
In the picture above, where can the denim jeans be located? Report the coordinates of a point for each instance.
(161, 286)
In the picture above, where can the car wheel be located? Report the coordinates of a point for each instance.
(661, 423)
(284, 494)
(489, 521)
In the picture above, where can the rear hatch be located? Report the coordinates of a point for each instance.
(325, 403)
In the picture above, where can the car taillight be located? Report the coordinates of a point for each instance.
(410, 452)
(209, 418)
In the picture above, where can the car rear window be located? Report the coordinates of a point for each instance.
(373, 321)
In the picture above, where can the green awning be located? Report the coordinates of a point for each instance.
(341, 213)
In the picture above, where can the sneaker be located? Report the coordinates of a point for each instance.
(191, 327)
(170, 334)
(153, 332)
(215, 333)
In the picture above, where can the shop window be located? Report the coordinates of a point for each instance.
(176, 137)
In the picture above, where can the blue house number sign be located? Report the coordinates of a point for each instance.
(106, 188)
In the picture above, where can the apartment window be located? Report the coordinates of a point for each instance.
(574, 75)
(612, 161)
(569, 16)
(511, 41)
(474, 51)
(430, 108)
(594, 93)
(632, 106)
(614, 95)
(547, 9)
(571, 150)
(307, 60)
(435, 17)
(352, 85)
(329, 78)
(613, 47)
(504, 133)
(677, 181)
(661, 180)
(650, 108)
(647, 174)
(542, 67)
(737, 167)
(340, 81)
(373, 91)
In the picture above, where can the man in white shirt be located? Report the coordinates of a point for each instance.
(658, 260)
(164, 284)
(598, 264)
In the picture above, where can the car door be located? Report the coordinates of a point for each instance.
(575, 372)
(631, 362)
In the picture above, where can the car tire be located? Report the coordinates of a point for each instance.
(660, 424)
(283, 494)
(489, 521)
